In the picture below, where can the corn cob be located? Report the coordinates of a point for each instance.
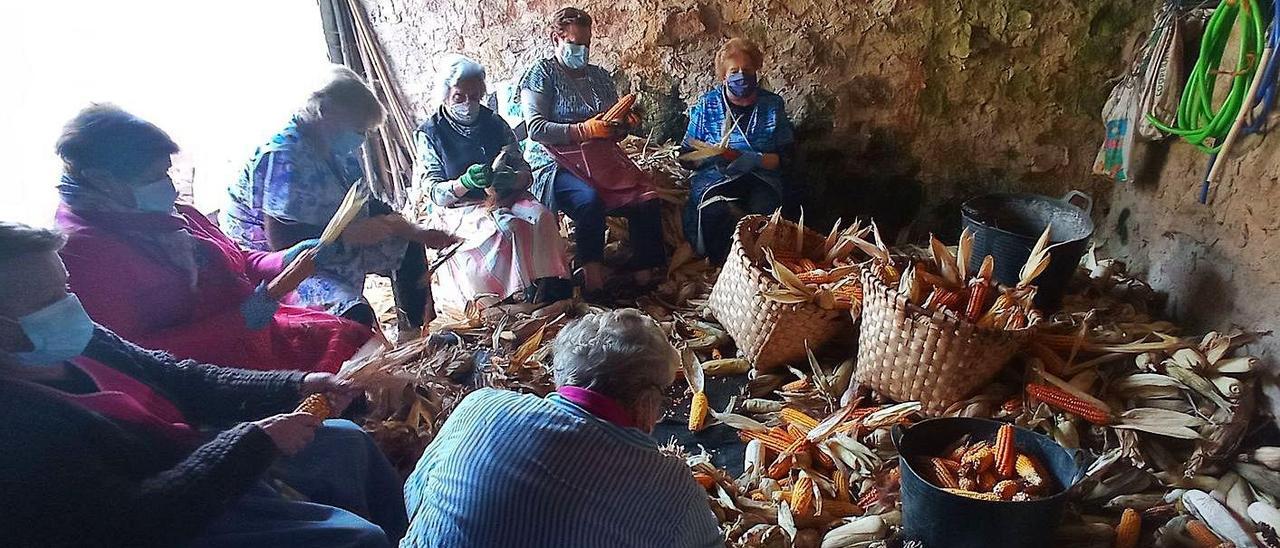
(943, 475)
(967, 483)
(978, 459)
(777, 439)
(796, 431)
(798, 419)
(943, 297)
(1027, 469)
(1059, 399)
(997, 315)
(841, 479)
(814, 277)
(1005, 455)
(317, 405)
(781, 467)
(619, 111)
(795, 386)
(806, 265)
(840, 508)
(1201, 534)
(1005, 489)
(980, 290)
(974, 494)
(698, 411)
(987, 481)
(1128, 530)
(823, 459)
(704, 479)
(802, 502)
(870, 497)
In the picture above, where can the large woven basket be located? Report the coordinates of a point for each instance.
(769, 333)
(910, 354)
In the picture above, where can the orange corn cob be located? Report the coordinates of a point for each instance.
(1128, 530)
(974, 494)
(872, 496)
(840, 508)
(823, 459)
(798, 418)
(802, 502)
(943, 297)
(1005, 489)
(987, 481)
(621, 109)
(943, 475)
(1005, 455)
(952, 465)
(806, 265)
(796, 385)
(698, 411)
(704, 479)
(777, 439)
(1201, 533)
(980, 291)
(796, 431)
(781, 467)
(317, 405)
(841, 479)
(815, 277)
(1060, 399)
(1028, 470)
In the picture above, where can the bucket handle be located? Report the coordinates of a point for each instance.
(1079, 199)
(895, 435)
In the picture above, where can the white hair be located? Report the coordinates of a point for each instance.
(454, 68)
(621, 353)
(341, 88)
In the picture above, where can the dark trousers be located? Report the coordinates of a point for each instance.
(577, 199)
(717, 220)
(409, 285)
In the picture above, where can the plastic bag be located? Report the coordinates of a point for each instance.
(1161, 74)
(1120, 116)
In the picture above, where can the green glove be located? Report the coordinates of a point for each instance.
(477, 177)
(504, 180)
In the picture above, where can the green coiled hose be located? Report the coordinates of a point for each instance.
(1198, 122)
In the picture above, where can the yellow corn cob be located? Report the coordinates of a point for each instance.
(781, 467)
(978, 460)
(776, 439)
(758, 495)
(1005, 455)
(974, 494)
(802, 502)
(698, 411)
(943, 475)
(798, 418)
(1201, 534)
(1060, 399)
(1005, 489)
(841, 479)
(968, 484)
(1027, 469)
(317, 405)
(1128, 529)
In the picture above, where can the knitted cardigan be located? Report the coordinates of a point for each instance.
(69, 476)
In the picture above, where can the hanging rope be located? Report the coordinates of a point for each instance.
(1199, 122)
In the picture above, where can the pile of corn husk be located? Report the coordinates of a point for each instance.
(1177, 411)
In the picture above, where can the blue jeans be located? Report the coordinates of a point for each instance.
(356, 499)
(577, 199)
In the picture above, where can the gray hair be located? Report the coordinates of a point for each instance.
(342, 88)
(454, 68)
(622, 354)
(17, 240)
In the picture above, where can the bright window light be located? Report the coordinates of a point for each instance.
(220, 77)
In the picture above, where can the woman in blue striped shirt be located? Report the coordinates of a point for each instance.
(577, 468)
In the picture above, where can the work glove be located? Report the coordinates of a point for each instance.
(259, 308)
(594, 128)
(504, 180)
(477, 177)
(292, 253)
(746, 162)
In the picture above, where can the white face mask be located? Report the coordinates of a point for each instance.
(575, 56)
(464, 113)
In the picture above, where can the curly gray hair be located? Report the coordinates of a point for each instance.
(622, 354)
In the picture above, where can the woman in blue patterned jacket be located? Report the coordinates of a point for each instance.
(751, 173)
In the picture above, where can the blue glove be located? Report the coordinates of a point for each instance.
(297, 249)
(747, 162)
(259, 308)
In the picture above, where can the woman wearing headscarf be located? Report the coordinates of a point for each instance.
(161, 274)
(751, 171)
(471, 181)
(295, 183)
(563, 98)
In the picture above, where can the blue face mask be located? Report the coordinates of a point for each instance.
(346, 142)
(575, 56)
(57, 332)
(155, 197)
(741, 84)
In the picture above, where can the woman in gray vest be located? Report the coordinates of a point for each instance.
(471, 180)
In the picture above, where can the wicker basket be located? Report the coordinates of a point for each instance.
(910, 354)
(769, 333)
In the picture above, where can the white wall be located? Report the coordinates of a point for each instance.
(219, 76)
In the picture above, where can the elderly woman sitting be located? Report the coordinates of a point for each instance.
(159, 273)
(576, 468)
(107, 444)
(294, 184)
(751, 172)
(472, 181)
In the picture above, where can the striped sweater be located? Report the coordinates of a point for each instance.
(512, 469)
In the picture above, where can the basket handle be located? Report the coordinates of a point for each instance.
(1079, 199)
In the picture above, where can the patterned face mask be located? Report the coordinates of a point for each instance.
(464, 113)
